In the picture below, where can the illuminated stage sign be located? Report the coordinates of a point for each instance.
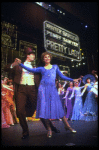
(60, 42)
(9, 35)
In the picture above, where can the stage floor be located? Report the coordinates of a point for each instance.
(87, 135)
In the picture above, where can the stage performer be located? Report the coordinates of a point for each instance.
(7, 102)
(69, 102)
(90, 108)
(48, 102)
(25, 91)
(95, 86)
(77, 109)
(61, 91)
(12, 106)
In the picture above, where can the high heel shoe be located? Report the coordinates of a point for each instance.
(49, 134)
(70, 129)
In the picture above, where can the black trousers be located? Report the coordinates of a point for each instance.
(25, 104)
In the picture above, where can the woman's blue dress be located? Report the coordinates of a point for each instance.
(90, 108)
(77, 109)
(69, 103)
(49, 105)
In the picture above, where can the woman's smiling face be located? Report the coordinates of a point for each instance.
(47, 59)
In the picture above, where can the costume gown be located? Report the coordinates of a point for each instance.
(69, 103)
(90, 108)
(49, 105)
(77, 109)
(7, 101)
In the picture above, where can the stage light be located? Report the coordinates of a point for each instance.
(60, 12)
(49, 5)
(86, 26)
(64, 14)
(39, 3)
(57, 9)
(82, 57)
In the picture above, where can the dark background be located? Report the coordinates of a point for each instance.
(29, 18)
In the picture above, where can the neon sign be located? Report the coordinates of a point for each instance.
(61, 42)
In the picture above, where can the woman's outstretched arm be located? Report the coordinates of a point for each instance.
(34, 70)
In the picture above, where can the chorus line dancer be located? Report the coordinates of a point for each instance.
(90, 108)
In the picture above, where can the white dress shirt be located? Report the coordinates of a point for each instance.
(27, 77)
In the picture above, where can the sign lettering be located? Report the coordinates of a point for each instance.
(61, 42)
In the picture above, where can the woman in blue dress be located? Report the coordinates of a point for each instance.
(49, 105)
(77, 109)
(90, 108)
(69, 102)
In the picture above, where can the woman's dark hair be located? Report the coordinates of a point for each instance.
(58, 84)
(45, 53)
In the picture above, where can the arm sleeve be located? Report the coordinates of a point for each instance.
(62, 76)
(81, 87)
(64, 84)
(67, 92)
(73, 92)
(34, 70)
(79, 83)
(83, 91)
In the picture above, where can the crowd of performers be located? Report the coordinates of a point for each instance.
(79, 102)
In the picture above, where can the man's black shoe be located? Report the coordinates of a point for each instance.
(25, 136)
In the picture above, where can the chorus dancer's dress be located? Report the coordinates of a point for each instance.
(77, 109)
(61, 92)
(49, 105)
(69, 102)
(4, 123)
(3, 120)
(6, 103)
(90, 108)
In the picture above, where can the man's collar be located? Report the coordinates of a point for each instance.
(26, 62)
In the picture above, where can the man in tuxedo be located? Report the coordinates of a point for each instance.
(25, 91)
